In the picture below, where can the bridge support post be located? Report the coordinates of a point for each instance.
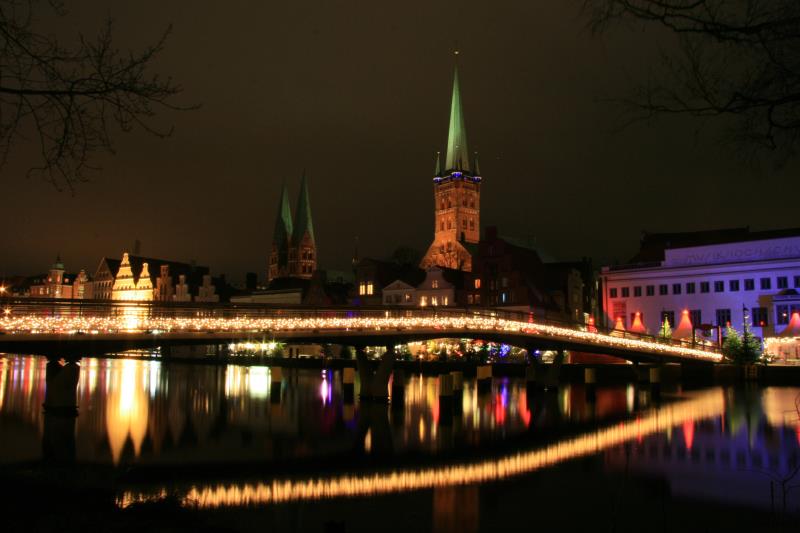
(349, 384)
(60, 412)
(484, 379)
(590, 383)
(458, 390)
(375, 383)
(445, 399)
(655, 382)
(554, 373)
(276, 384)
(398, 387)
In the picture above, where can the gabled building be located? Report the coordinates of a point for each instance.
(372, 276)
(294, 249)
(57, 283)
(456, 197)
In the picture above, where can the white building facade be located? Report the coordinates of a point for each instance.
(716, 283)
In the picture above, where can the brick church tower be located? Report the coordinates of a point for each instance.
(457, 197)
(294, 249)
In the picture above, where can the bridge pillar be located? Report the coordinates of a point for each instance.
(60, 412)
(445, 399)
(349, 384)
(276, 384)
(484, 378)
(554, 373)
(375, 383)
(458, 390)
(655, 382)
(398, 387)
(590, 383)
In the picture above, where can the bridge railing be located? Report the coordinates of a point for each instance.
(43, 308)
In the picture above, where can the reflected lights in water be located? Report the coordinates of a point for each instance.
(701, 406)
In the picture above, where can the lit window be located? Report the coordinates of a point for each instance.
(435, 284)
(423, 301)
(434, 300)
(477, 283)
(444, 300)
(407, 297)
(362, 288)
(369, 287)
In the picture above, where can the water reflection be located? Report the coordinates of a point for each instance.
(739, 445)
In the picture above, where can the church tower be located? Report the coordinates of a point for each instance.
(294, 249)
(456, 196)
(303, 253)
(281, 239)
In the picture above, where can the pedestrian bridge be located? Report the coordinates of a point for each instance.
(76, 327)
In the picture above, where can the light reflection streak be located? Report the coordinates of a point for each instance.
(703, 405)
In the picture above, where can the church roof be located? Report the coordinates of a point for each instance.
(302, 221)
(283, 222)
(457, 152)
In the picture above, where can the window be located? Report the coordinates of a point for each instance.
(387, 299)
(469, 299)
(782, 314)
(797, 282)
(719, 286)
(423, 301)
(369, 288)
(749, 284)
(612, 293)
(690, 288)
(663, 290)
(704, 286)
(362, 288)
(471, 224)
(407, 297)
(696, 316)
(676, 288)
(651, 290)
(504, 284)
(765, 284)
(733, 285)
(637, 291)
(783, 282)
(444, 300)
(463, 223)
(669, 316)
(434, 300)
(477, 283)
(760, 316)
(723, 317)
(626, 292)
(503, 297)
(478, 299)
(435, 284)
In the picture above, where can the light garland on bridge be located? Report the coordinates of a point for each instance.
(321, 326)
(705, 405)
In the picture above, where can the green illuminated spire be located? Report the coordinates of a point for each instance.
(302, 221)
(283, 224)
(457, 153)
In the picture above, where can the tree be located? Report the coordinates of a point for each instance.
(734, 58)
(665, 331)
(69, 99)
(751, 346)
(406, 256)
(732, 345)
(345, 352)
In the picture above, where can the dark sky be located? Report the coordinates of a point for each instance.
(358, 94)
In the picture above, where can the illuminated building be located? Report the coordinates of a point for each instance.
(717, 276)
(294, 249)
(373, 276)
(58, 284)
(441, 287)
(456, 196)
(143, 278)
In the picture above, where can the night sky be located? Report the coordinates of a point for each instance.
(357, 93)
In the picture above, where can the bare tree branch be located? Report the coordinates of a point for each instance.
(71, 97)
(737, 59)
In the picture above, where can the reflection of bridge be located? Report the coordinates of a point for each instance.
(79, 327)
(701, 406)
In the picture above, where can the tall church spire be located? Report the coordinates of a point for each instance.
(302, 221)
(283, 222)
(457, 152)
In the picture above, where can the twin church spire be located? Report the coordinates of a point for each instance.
(294, 249)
